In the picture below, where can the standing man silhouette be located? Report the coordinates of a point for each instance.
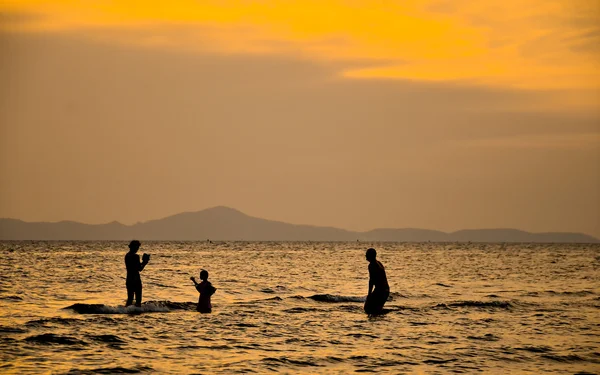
(133, 265)
(377, 278)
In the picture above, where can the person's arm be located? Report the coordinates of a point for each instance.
(199, 286)
(371, 280)
(145, 260)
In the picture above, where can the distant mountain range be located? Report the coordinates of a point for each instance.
(228, 224)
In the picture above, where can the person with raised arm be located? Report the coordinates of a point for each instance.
(206, 289)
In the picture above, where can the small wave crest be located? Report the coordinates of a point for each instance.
(110, 370)
(147, 307)
(335, 298)
(278, 288)
(486, 337)
(564, 358)
(5, 329)
(50, 321)
(51, 338)
(109, 339)
(11, 298)
(577, 293)
(300, 310)
(272, 361)
(478, 304)
(536, 349)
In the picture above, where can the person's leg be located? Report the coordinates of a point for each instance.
(138, 296)
(382, 299)
(375, 301)
(130, 292)
(369, 304)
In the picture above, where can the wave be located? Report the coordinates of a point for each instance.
(335, 298)
(439, 361)
(51, 338)
(394, 295)
(277, 288)
(350, 308)
(110, 370)
(479, 304)
(536, 349)
(5, 329)
(361, 335)
(110, 339)
(486, 337)
(11, 298)
(579, 293)
(300, 310)
(272, 361)
(564, 358)
(147, 307)
(55, 320)
(162, 285)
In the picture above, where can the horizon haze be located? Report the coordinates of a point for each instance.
(228, 224)
(427, 113)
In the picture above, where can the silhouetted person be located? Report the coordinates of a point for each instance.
(133, 265)
(377, 278)
(206, 289)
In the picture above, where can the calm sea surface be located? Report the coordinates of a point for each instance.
(297, 308)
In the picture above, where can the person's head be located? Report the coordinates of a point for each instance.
(371, 254)
(134, 246)
(204, 275)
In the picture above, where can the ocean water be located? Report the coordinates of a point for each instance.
(297, 308)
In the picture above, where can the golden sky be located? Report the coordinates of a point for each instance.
(535, 44)
(357, 114)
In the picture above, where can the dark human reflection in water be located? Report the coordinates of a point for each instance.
(206, 289)
(377, 278)
(133, 265)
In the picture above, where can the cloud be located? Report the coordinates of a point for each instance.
(495, 43)
(11, 20)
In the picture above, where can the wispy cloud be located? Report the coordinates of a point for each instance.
(535, 45)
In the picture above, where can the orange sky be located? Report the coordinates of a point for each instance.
(478, 114)
(532, 45)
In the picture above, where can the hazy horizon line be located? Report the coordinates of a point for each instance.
(310, 225)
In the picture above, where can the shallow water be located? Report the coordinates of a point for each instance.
(296, 307)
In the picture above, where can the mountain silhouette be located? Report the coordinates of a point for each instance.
(228, 224)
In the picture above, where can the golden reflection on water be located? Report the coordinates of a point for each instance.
(469, 307)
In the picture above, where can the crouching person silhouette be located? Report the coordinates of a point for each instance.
(134, 267)
(377, 278)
